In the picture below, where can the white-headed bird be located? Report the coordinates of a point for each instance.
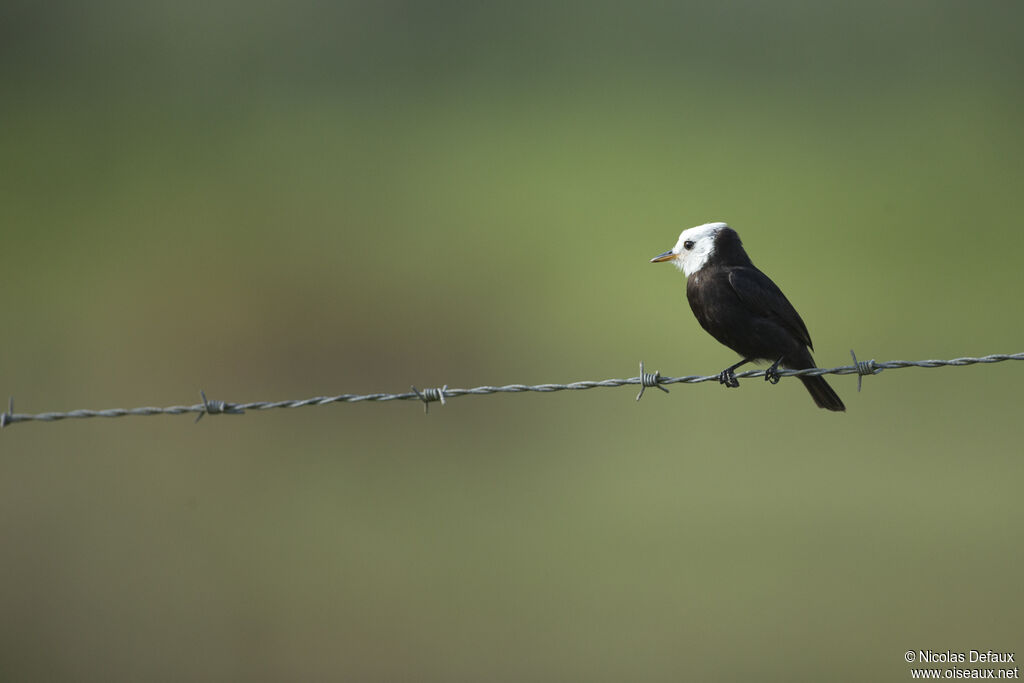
(742, 308)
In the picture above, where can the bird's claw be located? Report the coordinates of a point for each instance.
(772, 375)
(728, 378)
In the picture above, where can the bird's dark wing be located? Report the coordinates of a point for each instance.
(762, 297)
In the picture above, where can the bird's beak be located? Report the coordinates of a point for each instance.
(667, 256)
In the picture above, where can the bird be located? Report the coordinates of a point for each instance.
(743, 309)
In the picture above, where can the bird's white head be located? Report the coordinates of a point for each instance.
(694, 248)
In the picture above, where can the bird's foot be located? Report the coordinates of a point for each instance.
(728, 378)
(772, 373)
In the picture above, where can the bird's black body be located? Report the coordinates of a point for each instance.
(743, 309)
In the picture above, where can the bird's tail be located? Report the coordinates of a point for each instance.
(822, 393)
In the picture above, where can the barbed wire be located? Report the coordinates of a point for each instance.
(427, 396)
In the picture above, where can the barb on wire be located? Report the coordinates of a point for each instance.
(8, 417)
(217, 407)
(427, 396)
(866, 367)
(649, 379)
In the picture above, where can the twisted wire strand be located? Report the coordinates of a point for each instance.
(426, 396)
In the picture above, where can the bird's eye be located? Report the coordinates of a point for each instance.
(688, 245)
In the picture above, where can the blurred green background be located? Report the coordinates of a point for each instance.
(280, 200)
